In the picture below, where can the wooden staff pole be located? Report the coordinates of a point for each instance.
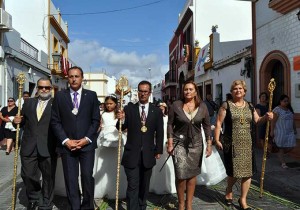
(20, 79)
(271, 88)
(122, 89)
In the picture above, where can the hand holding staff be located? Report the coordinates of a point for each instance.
(271, 88)
(171, 153)
(20, 79)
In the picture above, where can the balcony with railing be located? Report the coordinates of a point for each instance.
(29, 50)
(170, 78)
(284, 6)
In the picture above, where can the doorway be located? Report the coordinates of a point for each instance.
(277, 73)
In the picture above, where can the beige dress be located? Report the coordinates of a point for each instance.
(239, 160)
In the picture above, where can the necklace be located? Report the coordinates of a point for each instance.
(241, 112)
(190, 112)
(235, 104)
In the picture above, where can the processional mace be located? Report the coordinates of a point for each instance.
(122, 89)
(20, 79)
(271, 88)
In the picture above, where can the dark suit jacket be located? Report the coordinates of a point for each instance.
(37, 134)
(67, 125)
(150, 142)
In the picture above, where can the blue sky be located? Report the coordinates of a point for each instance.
(131, 41)
(126, 42)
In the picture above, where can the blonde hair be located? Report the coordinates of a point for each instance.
(238, 82)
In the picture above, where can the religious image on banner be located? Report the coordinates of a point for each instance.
(202, 58)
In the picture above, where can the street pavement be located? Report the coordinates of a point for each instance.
(281, 187)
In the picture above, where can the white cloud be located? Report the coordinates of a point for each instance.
(91, 56)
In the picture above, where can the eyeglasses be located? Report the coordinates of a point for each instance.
(143, 91)
(46, 87)
(10, 101)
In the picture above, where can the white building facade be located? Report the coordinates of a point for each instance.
(231, 61)
(277, 49)
(29, 46)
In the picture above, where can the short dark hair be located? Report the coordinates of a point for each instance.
(76, 67)
(264, 93)
(144, 82)
(26, 92)
(11, 99)
(42, 79)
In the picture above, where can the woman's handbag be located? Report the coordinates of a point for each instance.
(226, 142)
(212, 167)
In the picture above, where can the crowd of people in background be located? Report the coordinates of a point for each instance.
(85, 134)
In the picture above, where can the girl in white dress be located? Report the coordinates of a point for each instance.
(105, 168)
(163, 182)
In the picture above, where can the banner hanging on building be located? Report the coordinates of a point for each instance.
(199, 67)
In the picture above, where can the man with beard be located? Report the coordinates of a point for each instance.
(38, 157)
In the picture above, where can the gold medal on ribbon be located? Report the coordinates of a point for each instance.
(143, 128)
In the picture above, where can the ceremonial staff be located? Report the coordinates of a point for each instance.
(20, 79)
(122, 89)
(171, 153)
(271, 88)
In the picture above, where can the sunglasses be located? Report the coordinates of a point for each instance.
(44, 87)
(10, 101)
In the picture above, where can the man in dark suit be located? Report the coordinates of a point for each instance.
(144, 124)
(37, 152)
(75, 121)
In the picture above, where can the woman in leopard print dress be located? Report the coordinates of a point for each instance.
(238, 116)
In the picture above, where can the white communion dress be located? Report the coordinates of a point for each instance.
(105, 167)
(163, 182)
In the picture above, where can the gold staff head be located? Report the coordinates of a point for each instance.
(122, 86)
(272, 85)
(21, 78)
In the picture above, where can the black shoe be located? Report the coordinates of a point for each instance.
(241, 207)
(32, 206)
(7, 153)
(228, 202)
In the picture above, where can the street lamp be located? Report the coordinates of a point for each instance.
(150, 74)
(149, 69)
(55, 57)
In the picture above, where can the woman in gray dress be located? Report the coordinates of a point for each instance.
(186, 117)
(238, 116)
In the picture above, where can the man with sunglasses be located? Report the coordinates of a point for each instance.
(38, 157)
(75, 121)
(145, 133)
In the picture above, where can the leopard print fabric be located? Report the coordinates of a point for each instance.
(241, 141)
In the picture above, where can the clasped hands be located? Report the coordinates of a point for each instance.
(74, 145)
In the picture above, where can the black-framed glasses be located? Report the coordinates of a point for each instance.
(10, 101)
(44, 87)
(143, 91)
